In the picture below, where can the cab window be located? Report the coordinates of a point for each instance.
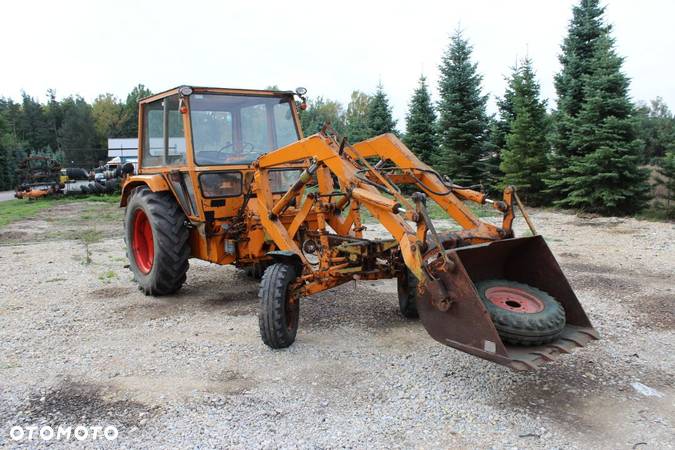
(164, 140)
(237, 129)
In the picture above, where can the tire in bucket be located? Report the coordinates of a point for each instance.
(157, 241)
(522, 314)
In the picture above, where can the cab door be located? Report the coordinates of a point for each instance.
(166, 149)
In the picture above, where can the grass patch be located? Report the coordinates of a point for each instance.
(19, 209)
(14, 210)
(656, 214)
(90, 236)
(54, 280)
(87, 235)
(108, 276)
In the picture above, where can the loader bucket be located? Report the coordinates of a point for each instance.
(465, 324)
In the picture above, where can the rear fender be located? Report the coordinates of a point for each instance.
(155, 182)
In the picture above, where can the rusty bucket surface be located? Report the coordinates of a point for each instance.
(463, 321)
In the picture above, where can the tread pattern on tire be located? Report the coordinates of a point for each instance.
(407, 294)
(171, 237)
(525, 329)
(272, 315)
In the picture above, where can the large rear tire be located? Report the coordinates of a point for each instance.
(157, 241)
(279, 311)
(522, 314)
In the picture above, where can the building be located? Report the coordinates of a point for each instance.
(124, 148)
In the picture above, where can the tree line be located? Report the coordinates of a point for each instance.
(593, 151)
(72, 131)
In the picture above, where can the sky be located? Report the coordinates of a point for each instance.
(331, 48)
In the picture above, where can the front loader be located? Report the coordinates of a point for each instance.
(225, 175)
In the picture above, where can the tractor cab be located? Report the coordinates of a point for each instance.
(200, 144)
(215, 127)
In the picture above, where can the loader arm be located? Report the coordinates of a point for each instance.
(326, 154)
(447, 266)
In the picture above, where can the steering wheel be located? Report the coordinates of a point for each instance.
(246, 146)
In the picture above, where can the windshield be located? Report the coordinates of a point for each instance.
(236, 129)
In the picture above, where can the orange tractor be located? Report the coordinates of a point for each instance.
(226, 176)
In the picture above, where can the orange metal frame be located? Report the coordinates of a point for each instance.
(317, 209)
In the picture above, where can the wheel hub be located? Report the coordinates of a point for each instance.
(514, 299)
(142, 243)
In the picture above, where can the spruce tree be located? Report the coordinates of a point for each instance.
(500, 127)
(462, 121)
(603, 175)
(656, 128)
(379, 116)
(319, 112)
(420, 135)
(356, 118)
(666, 171)
(586, 28)
(524, 158)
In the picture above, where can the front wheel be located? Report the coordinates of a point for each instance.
(279, 310)
(157, 241)
(406, 285)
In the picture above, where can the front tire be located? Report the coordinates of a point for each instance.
(157, 241)
(279, 311)
(406, 285)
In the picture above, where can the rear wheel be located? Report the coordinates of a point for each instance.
(522, 314)
(157, 241)
(407, 294)
(279, 311)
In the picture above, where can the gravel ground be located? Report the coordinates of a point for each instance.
(80, 345)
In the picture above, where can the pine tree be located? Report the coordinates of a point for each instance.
(379, 116)
(77, 135)
(524, 158)
(356, 118)
(463, 123)
(500, 127)
(666, 170)
(656, 129)
(129, 125)
(319, 112)
(603, 174)
(420, 135)
(586, 28)
(32, 125)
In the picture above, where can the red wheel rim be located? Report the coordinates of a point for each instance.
(514, 299)
(142, 243)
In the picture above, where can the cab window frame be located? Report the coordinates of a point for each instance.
(170, 118)
(237, 125)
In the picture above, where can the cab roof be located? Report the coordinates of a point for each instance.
(215, 90)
